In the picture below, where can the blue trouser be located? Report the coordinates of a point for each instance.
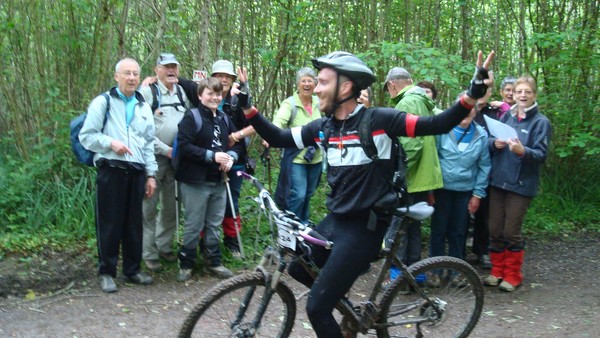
(481, 228)
(304, 181)
(409, 251)
(449, 222)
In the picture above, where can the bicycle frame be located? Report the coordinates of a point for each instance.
(449, 303)
(364, 317)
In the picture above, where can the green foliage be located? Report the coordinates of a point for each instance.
(42, 206)
(423, 62)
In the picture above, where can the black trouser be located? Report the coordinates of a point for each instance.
(119, 197)
(354, 248)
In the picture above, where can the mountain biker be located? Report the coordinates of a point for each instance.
(357, 183)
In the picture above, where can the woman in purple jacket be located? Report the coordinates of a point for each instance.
(514, 181)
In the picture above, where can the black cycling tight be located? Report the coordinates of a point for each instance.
(355, 247)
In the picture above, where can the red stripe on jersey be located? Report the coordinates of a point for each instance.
(378, 132)
(335, 139)
(411, 124)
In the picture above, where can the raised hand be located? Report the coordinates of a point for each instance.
(482, 77)
(242, 74)
(240, 92)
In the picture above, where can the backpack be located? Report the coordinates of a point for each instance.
(156, 103)
(175, 155)
(295, 109)
(81, 153)
(399, 158)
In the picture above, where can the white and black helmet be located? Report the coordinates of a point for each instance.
(349, 65)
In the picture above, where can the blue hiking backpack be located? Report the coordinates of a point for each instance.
(81, 153)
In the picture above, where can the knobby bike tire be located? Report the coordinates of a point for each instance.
(216, 312)
(458, 285)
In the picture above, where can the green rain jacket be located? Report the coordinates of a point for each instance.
(424, 172)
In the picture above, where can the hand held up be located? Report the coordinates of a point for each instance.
(482, 78)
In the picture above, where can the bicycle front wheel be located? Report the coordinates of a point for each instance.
(456, 297)
(243, 306)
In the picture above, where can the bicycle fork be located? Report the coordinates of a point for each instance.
(271, 281)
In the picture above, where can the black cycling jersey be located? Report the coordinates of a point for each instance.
(355, 183)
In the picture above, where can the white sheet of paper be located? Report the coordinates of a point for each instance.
(500, 130)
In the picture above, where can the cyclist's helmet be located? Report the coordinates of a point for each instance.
(347, 64)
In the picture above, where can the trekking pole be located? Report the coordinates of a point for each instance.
(266, 159)
(177, 213)
(236, 224)
(256, 250)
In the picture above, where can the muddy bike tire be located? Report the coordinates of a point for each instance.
(458, 285)
(215, 315)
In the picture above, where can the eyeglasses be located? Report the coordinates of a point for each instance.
(526, 92)
(129, 73)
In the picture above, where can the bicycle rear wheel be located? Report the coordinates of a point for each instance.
(453, 285)
(232, 309)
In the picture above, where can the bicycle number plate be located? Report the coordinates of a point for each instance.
(286, 239)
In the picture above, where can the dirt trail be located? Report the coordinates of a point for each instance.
(560, 298)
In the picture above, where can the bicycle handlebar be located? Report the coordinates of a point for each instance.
(302, 230)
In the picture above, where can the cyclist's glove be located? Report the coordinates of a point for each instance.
(478, 88)
(242, 99)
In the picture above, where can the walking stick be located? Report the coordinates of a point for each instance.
(177, 213)
(266, 159)
(236, 224)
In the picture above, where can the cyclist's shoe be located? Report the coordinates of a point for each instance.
(184, 275)
(485, 262)
(491, 280)
(140, 278)
(506, 286)
(153, 265)
(219, 271)
(107, 284)
(386, 284)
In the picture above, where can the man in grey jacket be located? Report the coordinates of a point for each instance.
(169, 102)
(126, 169)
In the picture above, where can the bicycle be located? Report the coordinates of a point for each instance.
(447, 303)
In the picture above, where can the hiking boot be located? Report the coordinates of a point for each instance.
(107, 284)
(140, 278)
(458, 282)
(506, 286)
(485, 262)
(153, 265)
(491, 280)
(236, 254)
(434, 280)
(168, 256)
(184, 275)
(231, 243)
(219, 271)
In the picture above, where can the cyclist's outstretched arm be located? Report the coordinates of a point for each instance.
(297, 137)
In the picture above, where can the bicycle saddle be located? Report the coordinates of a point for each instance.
(418, 211)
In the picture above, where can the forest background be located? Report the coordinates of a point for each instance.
(56, 56)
